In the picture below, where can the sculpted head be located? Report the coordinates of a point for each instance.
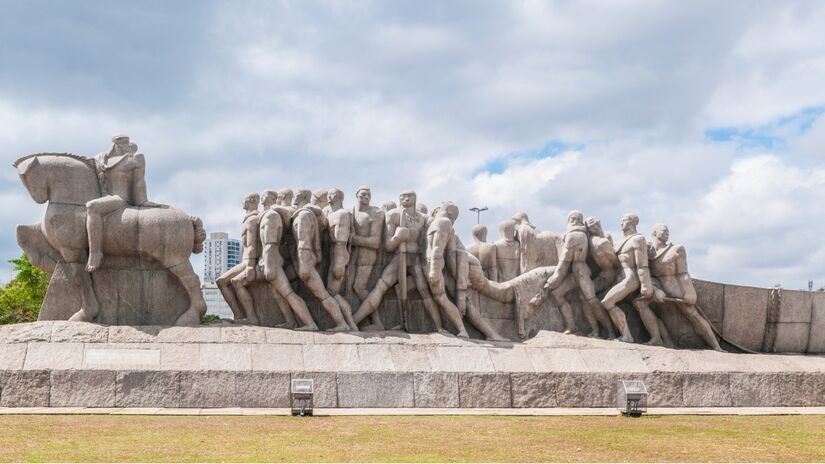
(33, 178)
(629, 222)
(364, 195)
(480, 232)
(575, 218)
(285, 197)
(448, 210)
(250, 201)
(421, 208)
(407, 199)
(594, 226)
(389, 206)
(302, 197)
(335, 197)
(269, 198)
(121, 143)
(319, 198)
(507, 230)
(520, 217)
(661, 233)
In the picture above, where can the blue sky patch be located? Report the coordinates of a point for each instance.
(772, 136)
(550, 149)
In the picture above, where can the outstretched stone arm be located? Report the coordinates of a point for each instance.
(139, 195)
(684, 278)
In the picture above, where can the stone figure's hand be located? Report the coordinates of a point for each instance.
(646, 291)
(536, 300)
(462, 302)
(435, 278)
(402, 233)
(150, 204)
(659, 296)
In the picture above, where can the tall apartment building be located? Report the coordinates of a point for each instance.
(220, 253)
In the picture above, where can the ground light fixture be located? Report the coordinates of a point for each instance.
(631, 397)
(301, 392)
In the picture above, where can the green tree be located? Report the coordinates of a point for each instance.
(20, 299)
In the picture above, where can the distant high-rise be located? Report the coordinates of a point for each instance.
(220, 253)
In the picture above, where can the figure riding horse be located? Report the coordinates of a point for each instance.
(69, 183)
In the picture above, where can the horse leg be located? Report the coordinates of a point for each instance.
(89, 307)
(192, 284)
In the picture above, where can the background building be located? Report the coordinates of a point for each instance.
(215, 304)
(220, 253)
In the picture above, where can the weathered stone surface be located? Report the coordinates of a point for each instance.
(796, 306)
(208, 389)
(616, 361)
(778, 389)
(262, 389)
(325, 385)
(711, 298)
(533, 390)
(791, 337)
(490, 390)
(225, 356)
(436, 389)
(375, 358)
(511, 359)
(179, 356)
(286, 336)
(12, 356)
(143, 389)
(44, 355)
(706, 390)
(587, 390)
(27, 332)
(24, 389)
(65, 331)
(556, 360)
(133, 334)
(331, 358)
(664, 389)
(375, 390)
(243, 334)
(410, 358)
(745, 315)
(118, 357)
(94, 389)
(189, 335)
(459, 359)
(278, 358)
(816, 344)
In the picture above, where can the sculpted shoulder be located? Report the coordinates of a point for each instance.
(441, 224)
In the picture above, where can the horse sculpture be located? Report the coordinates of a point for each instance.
(67, 182)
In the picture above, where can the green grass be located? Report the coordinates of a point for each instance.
(417, 438)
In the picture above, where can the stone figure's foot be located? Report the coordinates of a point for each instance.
(81, 316)
(655, 342)
(463, 334)
(593, 334)
(372, 328)
(396, 327)
(340, 328)
(497, 338)
(285, 325)
(443, 331)
(190, 318)
(95, 257)
(625, 338)
(307, 328)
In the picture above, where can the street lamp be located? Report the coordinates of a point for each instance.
(478, 213)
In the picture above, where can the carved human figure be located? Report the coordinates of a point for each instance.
(302, 197)
(445, 250)
(422, 208)
(120, 173)
(404, 226)
(388, 206)
(633, 274)
(284, 198)
(271, 263)
(320, 198)
(233, 282)
(307, 225)
(366, 244)
(340, 226)
(485, 252)
(507, 252)
(572, 273)
(602, 254)
(672, 283)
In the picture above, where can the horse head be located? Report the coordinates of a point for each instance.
(60, 177)
(28, 167)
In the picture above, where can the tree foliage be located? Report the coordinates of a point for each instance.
(20, 299)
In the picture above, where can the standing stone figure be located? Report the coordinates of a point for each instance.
(366, 244)
(602, 255)
(340, 226)
(307, 224)
(388, 206)
(120, 173)
(233, 282)
(484, 252)
(272, 263)
(507, 252)
(633, 274)
(672, 283)
(444, 249)
(404, 226)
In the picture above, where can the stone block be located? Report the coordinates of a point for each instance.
(706, 389)
(331, 358)
(533, 390)
(148, 389)
(484, 390)
(105, 356)
(587, 390)
(746, 310)
(208, 389)
(791, 337)
(339, 338)
(44, 355)
(511, 359)
(619, 360)
(711, 298)
(277, 358)
(189, 335)
(24, 388)
(816, 344)
(436, 389)
(286, 336)
(65, 331)
(179, 356)
(133, 334)
(243, 334)
(410, 358)
(664, 389)
(459, 359)
(796, 306)
(12, 356)
(556, 360)
(375, 358)
(375, 390)
(325, 388)
(92, 389)
(777, 389)
(262, 389)
(225, 356)
(27, 332)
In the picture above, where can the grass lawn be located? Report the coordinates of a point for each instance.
(421, 438)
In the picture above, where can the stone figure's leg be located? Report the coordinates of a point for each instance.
(338, 267)
(650, 321)
(239, 283)
(192, 284)
(450, 310)
(284, 308)
(359, 286)
(700, 325)
(224, 283)
(499, 291)
(281, 287)
(310, 277)
(478, 321)
(89, 307)
(625, 287)
(558, 300)
(593, 309)
(96, 210)
(388, 278)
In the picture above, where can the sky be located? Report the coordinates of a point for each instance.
(706, 116)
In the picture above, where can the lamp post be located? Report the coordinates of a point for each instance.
(478, 213)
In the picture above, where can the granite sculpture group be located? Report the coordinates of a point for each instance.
(305, 245)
